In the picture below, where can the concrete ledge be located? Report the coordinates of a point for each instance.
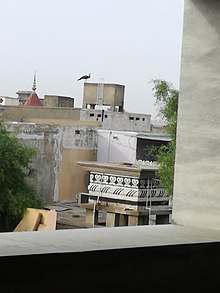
(79, 240)
(121, 259)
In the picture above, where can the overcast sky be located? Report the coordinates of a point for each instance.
(128, 42)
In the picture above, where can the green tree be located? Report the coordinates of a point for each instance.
(167, 100)
(16, 192)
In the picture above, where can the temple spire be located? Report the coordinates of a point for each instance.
(34, 83)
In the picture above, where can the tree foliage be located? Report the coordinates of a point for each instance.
(16, 193)
(167, 100)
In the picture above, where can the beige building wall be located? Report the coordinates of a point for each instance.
(113, 95)
(58, 101)
(72, 172)
(58, 177)
(26, 114)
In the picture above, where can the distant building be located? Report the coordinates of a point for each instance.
(121, 121)
(8, 101)
(103, 105)
(58, 101)
(128, 147)
(101, 131)
(103, 94)
(23, 96)
(33, 99)
(59, 147)
(104, 102)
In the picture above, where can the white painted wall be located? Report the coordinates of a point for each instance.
(118, 121)
(116, 146)
(8, 101)
(51, 142)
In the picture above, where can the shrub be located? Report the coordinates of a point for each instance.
(16, 192)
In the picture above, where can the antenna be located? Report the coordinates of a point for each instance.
(100, 92)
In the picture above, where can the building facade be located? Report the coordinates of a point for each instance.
(128, 147)
(8, 101)
(58, 177)
(58, 101)
(104, 94)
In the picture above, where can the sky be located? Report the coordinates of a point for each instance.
(129, 42)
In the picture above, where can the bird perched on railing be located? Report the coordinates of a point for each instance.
(85, 77)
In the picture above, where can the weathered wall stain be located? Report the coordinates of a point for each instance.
(58, 177)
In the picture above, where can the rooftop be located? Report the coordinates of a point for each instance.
(33, 100)
(119, 168)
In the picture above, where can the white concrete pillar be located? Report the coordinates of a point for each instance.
(196, 199)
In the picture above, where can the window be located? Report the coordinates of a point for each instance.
(137, 118)
(91, 115)
(99, 115)
(131, 118)
(106, 116)
(77, 131)
(143, 119)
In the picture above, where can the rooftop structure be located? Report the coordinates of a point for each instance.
(122, 121)
(8, 101)
(58, 101)
(103, 95)
(23, 96)
(129, 194)
(33, 99)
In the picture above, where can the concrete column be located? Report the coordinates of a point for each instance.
(196, 199)
(91, 217)
(110, 219)
(132, 220)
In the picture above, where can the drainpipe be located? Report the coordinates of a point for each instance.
(97, 200)
(109, 145)
(146, 207)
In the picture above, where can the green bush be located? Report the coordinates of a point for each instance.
(16, 192)
(167, 100)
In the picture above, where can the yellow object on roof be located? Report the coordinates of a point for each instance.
(37, 220)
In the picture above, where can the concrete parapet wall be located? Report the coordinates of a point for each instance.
(58, 101)
(172, 269)
(21, 113)
(125, 259)
(121, 121)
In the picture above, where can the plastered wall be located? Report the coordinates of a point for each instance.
(24, 113)
(196, 200)
(118, 120)
(58, 177)
(113, 94)
(115, 146)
